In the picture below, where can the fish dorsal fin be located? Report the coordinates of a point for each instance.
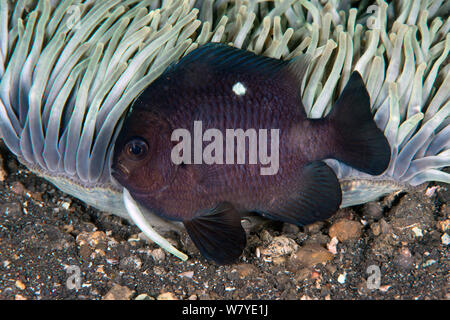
(298, 67)
(224, 58)
(231, 59)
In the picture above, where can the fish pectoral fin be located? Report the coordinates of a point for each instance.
(218, 234)
(318, 197)
(205, 176)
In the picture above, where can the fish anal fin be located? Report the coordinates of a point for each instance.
(218, 234)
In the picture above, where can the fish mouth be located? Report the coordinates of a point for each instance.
(121, 174)
(119, 170)
(141, 194)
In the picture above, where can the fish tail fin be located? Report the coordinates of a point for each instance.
(358, 141)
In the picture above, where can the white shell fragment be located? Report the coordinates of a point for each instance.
(342, 278)
(445, 239)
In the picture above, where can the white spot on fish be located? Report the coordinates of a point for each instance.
(239, 89)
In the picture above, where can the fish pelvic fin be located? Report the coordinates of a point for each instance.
(358, 142)
(218, 234)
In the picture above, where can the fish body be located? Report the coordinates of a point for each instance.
(203, 180)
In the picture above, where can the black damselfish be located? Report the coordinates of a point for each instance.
(223, 88)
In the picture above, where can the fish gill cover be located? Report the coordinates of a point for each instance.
(70, 71)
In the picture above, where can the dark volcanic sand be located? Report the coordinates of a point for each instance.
(46, 236)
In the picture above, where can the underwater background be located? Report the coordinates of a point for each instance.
(400, 47)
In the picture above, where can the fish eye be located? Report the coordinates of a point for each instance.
(136, 148)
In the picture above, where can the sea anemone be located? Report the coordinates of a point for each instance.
(71, 69)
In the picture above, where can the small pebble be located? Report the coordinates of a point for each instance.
(134, 238)
(166, 296)
(332, 245)
(131, 262)
(404, 259)
(265, 236)
(317, 238)
(310, 255)
(289, 228)
(278, 260)
(144, 296)
(384, 288)
(118, 292)
(96, 239)
(342, 277)
(258, 253)
(376, 228)
(100, 269)
(12, 210)
(345, 229)
(187, 274)
(18, 188)
(443, 225)
(302, 274)
(3, 173)
(279, 246)
(68, 228)
(65, 205)
(315, 275)
(431, 191)
(417, 232)
(158, 254)
(314, 227)
(445, 239)
(37, 196)
(85, 251)
(244, 270)
(20, 285)
(385, 227)
(112, 260)
(373, 210)
(158, 270)
(429, 262)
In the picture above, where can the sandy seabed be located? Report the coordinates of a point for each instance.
(53, 246)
